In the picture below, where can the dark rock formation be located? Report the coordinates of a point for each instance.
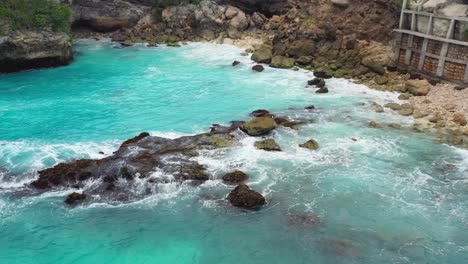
(259, 126)
(32, 50)
(75, 198)
(244, 197)
(236, 176)
(322, 90)
(139, 157)
(322, 75)
(258, 68)
(235, 63)
(267, 7)
(260, 113)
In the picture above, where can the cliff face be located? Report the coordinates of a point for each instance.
(31, 50)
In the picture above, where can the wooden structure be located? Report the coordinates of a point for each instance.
(443, 57)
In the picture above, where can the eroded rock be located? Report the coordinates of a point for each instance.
(268, 145)
(244, 197)
(259, 126)
(236, 176)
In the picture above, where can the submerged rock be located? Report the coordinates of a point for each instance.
(305, 219)
(244, 197)
(322, 90)
(236, 176)
(319, 82)
(235, 63)
(339, 247)
(310, 144)
(259, 126)
(74, 198)
(268, 145)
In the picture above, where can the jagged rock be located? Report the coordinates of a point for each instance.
(108, 15)
(301, 48)
(239, 21)
(268, 145)
(282, 62)
(310, 144)
(459, 119)
(235, 63)
(418, 87)
(319, 82)
(75, 198)
(244, 197)
(322, 75)
(31, 50)
(259, 126)
(310, 107)
(260, 113)
(139, 158)
(381, 80)
(258, 68)
(395, 125)
(322, 90)
(236, 176)
(304, 60)
(393, 106)
(374, 124)
(406, 110)
(263, 54)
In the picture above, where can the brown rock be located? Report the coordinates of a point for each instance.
(310, 144)
(406, 110)
(244, 197)
(268, 145)
(235, 177)
(418, 87)
(258, 68)
(393, 106)
(74, 198)
(374, 124)
(459, 119)
(263, 55)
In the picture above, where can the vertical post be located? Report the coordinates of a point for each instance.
(397, 45)
(422, 56)
(466, 73)
(402, 16)
(413, 21)
(430, 25)
(444, 50)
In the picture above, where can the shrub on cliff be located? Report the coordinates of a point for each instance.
(34, 15)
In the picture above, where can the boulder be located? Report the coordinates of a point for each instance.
(32, 50)
(268, 145)
(263, 54)
(282, 62)
(393, 106)
(406, 110)
(75, 198)
(322, 90)
(236, 176)
(258, 68)
(259, 126)
(418, 87)
(240, 21)
(235, 63)
(244, 197)
(304, 60)
(310, 144)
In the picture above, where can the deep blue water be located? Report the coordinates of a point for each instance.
(388, 196)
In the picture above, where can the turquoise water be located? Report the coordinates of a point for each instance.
(388, 196)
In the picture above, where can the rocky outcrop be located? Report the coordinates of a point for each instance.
(418, 87)
(244, 197)
(109, 15)
(267, 7)
(32, 50)
(143, 157)
(75, 198)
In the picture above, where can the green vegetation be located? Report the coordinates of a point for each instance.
(34, 15)
(400, 3)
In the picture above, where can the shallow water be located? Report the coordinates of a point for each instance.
(376, 196)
